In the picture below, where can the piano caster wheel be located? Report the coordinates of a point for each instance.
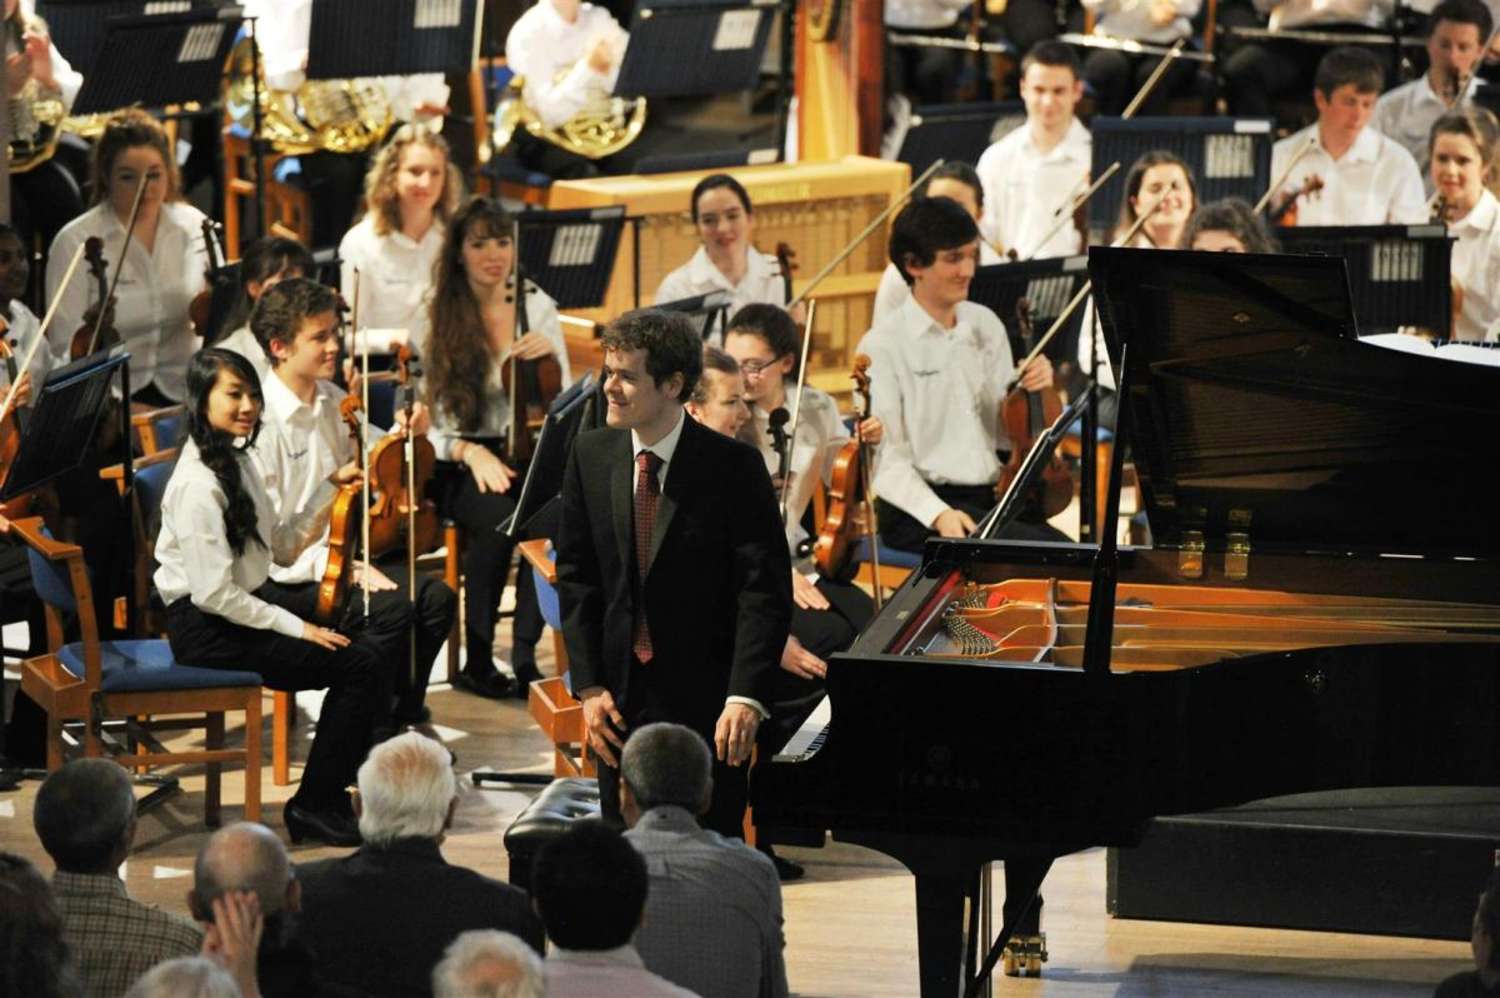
(1024, 955)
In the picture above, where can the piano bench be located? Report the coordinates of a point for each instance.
(554, 810)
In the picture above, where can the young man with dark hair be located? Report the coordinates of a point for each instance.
(302, 440)
(1367, 178)
(1456, 33)
(672, 569)
(1033, 171)
(589, 885)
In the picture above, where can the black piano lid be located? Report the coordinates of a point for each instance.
(1255, 409)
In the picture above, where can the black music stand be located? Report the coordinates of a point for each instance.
(64, 420)
(1048, 284)
(537, 506)
(159, 59)
(351, 38)
(713, 308)
(716, 47)
(956, 132)
(77, 27)
(1398, 274)
(570, 254)
(1229, 157)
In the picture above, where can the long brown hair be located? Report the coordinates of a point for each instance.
(381, 200)
(130, 129)
(458, 354)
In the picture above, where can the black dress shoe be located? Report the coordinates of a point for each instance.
(786, 870)
(421, 715)
(491, 685)
(329, 827)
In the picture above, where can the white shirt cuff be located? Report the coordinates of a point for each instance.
(759, 707)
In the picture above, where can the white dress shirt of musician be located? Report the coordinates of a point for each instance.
(1313, 13)
(959, 182)
(1367, 178)
(1456, 34)
(283, 30)
(412, 190)
(162, 272)
(22, 327)
(1462, 156)
(34, 57)
(939, 369)
(727, 260)
(569, 54)
(1035, 170)
(1157, 22)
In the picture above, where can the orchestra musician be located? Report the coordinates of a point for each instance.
(303, 439)
(954, 179)
(1366, 178)
(219, 535)
(410, 193)
(267, 261)
(22, 326)
(1114, 75)
(474, 330)
(727, 260)
(1456, 33)
(923, 74)
(1034, 171)
(163, 270)
(1464, 145)
(46, 197)
(672, 568)
(1259, 73)
(1228, 226)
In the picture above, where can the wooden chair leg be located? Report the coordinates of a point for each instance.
(252, 756)
(560, 653)
(213, 740)
(453, 576)
(281, 736)
(54, 743)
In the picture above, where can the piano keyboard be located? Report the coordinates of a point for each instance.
(810, 737)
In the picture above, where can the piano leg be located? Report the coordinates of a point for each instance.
(940, 931)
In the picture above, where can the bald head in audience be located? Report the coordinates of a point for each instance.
(485, 963)
(244, 857)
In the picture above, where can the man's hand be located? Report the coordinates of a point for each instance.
(954, 523)
(604, 724)
(797, 660)
(39, 51)
(233, 938)
(1038, 374)
(805, 593)
(378, 581)
(734, 735)
(490, 473)
(532, 346)
(872, 430)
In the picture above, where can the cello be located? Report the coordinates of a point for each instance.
(1025, 415)
(851, 510)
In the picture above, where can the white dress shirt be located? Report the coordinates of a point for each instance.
(69, 81)
(762, 283)
(494, 414)
(1376, 182)
(395, 279)
(243, 342)
(923, 15)
(1132, 19)
(938, 392)
(193, 554)
(820, 435)
(299, 447)
(24, 327)
(283, 32)
(1406, 115)
(894, 291)
(1310, 13)
(1476, 265)
(552, 55)
(152, 296)
(1024, 187)
(618, 973)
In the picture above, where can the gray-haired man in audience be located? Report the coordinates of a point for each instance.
(485, 963)
(713, 913)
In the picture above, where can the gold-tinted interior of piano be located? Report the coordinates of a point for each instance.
(1160, 627)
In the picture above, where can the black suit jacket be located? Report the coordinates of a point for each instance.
(718, 590)
(380, 918)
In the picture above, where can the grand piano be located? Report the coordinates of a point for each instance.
(1320, 608)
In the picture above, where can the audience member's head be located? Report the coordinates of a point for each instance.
(34, 959)
(485, 963)
(407, 790)
(85, 816)
(665, 765)
(249, 857)
(1227, 226)
(186, 977)
(589, 886)
(1486, 928)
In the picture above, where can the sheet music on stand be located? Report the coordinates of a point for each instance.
(1229, 157)
(716, 47)
(571, 254)
(1048, 284)
(1399, 275)
(77, 27)
(159, 59)
(956, 132)
(352, 38)
(63, 421)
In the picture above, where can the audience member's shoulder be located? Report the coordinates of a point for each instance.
(172, 930)
(1464, 985)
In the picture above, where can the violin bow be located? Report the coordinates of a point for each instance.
(114, 282)
(791, 441)
(1153, 79)
(1065, 211)
(41, 335)
(1461, 84)
(1265, 198)
(409, 452)
(364, 440)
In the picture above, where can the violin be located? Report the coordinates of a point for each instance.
(1286, 215)
(531, 386)
(345, 525)
(786, 258)
(400, 468)
(98, 333)
(1025, 415)
(849, 512)
(780, 441)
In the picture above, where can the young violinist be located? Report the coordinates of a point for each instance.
(954, 179)
(1464, 146)
(1228, 226)
(303, 438)
(159, 276)
(45, 197)
(1367, 178)
(474, 336)
(1032, 172)
(219, 536)
(21, 326)
(266, 262)
(939, 369)
(410, 193)
(1456, 33)
(727, 260)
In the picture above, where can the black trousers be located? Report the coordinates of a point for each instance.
(1116, 77)
(900, 531)
(353, 677)
(925, 74)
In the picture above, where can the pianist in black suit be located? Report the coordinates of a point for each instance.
(672, 568)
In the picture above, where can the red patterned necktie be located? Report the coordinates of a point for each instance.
(647, 495)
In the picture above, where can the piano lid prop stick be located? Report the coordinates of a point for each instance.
(854, 244)
(41, 334)
(1153, 79)
(135, 214)
(1065, 211)
(1265, 198)
(791, 441)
